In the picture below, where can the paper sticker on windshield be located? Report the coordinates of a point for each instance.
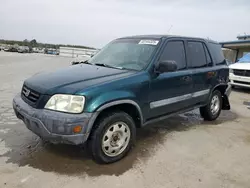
(150, 42)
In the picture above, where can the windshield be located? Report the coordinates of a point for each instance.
(244, 59)
(126, 53)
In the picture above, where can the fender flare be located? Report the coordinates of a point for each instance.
(225, 95)
(110, 104)
(221, 84)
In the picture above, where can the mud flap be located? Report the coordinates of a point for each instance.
(225, 98)
(225, 103)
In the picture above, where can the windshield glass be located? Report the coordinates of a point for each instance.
(126, 53)
(245, 58)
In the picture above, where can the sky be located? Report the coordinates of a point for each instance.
(96, 22)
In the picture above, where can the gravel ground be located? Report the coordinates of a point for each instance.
(181, 152)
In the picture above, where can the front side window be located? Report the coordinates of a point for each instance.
(197, 55)
(132, 54)
(175, 51)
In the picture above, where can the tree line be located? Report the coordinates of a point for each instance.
(33, 43)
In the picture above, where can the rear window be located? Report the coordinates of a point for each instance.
(217, 54)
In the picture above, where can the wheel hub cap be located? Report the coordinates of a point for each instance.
(116, 139)
(215, 105)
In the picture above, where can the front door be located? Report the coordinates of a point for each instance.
(171, 91)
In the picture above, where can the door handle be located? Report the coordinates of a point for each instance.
(186, 78)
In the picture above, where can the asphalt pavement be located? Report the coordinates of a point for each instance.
(181, 152)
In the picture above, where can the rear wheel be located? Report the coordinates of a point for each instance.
(112, 137)
(212, 110)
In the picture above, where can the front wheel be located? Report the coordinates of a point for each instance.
(212, 110)
(112, 137)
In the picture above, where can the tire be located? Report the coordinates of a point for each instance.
(208, 112)
(112, 137)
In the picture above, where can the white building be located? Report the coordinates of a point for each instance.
(76, 52)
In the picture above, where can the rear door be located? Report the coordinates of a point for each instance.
(171, 91)
(200, 62)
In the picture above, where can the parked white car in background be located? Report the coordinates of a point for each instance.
(240, 72)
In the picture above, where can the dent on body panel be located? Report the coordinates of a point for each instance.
(223, 75)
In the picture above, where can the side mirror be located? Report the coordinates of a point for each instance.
(166, 66)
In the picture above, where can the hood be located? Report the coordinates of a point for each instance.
(242, 66)
(73, 78)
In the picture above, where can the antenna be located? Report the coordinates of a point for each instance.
(170, 28)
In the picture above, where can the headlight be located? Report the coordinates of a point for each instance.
(231, 71)
(66, 103)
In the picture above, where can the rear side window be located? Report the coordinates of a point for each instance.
(174, 51)
(217, 54)
(197, 55)
(209, 60)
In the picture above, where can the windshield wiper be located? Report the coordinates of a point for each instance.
(81, 62)
(86, 62)
(106, 65)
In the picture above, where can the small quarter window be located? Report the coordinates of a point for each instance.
(217, 53)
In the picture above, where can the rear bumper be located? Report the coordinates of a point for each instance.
(241, 81)
(55, 127)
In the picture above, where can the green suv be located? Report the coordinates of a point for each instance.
(132, 82)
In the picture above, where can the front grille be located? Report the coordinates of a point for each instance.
(240, 82)
(241, 72)
(30, 95)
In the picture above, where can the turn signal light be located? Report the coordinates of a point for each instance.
(77, 129)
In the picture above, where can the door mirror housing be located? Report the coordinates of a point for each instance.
(166, 66)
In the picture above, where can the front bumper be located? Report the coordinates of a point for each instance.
(242, 81)
(55, 127)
